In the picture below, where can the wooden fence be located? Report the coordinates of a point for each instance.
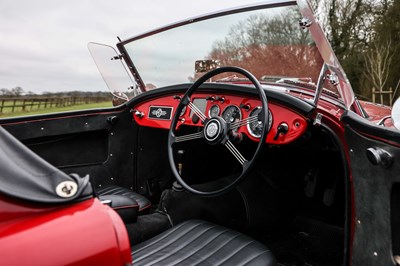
(388, 100)
(12, 105)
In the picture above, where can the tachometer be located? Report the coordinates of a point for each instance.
(255, 128)
(214, 111)
(232, 114)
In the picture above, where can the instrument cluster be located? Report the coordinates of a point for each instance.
(243, 114)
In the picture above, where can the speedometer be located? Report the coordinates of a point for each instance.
(255, 128)
(232, 114)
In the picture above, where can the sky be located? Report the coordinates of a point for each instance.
(43, 43)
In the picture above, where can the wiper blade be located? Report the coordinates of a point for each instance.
(232, 78)
(308, 85)
(303, 82)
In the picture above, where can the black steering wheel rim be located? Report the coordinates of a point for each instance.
(185, 100)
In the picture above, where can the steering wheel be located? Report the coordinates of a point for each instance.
(217, 131)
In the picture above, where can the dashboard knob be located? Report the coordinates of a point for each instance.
(283, 128)
(245, 106)
(378, 156)
(112, 120)
(221, 99)
(138, 113)
(210, 98)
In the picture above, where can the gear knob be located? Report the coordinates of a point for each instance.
(179, 159)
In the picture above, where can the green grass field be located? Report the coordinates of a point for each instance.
(8, 113)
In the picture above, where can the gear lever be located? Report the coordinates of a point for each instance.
(179, 158)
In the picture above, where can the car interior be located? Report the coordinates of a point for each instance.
(291, 208)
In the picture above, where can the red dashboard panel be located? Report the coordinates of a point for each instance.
(145, 114)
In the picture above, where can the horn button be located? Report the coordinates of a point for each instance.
(215, 130)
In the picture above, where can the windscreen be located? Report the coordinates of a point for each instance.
(267, 42)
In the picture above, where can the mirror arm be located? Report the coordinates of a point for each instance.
(383, 120)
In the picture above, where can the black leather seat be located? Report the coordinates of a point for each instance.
(143, 202)
(198, 242)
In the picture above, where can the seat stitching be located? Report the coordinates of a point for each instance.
(235, 252)
(156, 240)
(218, 249)
(200, 248)
(186, 244)
(115, 190)
(163, 237)
(167, 243)
(258, 255)
(126, 207)
(144, 207)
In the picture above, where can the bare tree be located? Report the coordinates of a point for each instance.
(4, 92)
(270, 45)
(378, 61)
(17, 91)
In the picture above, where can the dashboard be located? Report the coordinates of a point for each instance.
(158, 112)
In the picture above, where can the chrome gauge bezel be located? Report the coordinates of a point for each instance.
(229, 106)
(213, 106)
(270, 119)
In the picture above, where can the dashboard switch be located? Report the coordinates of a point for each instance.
(138, 113)
(210, 98)
(221, 99)
(283, 128)
(245, 106)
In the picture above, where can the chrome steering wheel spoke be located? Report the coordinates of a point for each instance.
(235, 152)
(197, 135)
(244, 122)
(197, 111)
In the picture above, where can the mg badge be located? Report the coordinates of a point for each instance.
(158, 113)
(212, 130)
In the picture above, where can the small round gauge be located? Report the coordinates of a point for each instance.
(214, 111)
(232, 114)
(255, 128)
(183, 111)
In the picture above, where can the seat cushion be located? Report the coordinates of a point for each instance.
(143, 202)
(197, 242)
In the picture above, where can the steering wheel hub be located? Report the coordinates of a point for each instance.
(212, 130)
(215, 130)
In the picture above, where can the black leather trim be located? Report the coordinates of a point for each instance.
(143, 202)
(25, 175)
(198, 242)
(126, 207)
(362, 125)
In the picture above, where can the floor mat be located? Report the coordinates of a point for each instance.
(311, 242)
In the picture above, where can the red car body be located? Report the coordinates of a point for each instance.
(90, 232)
